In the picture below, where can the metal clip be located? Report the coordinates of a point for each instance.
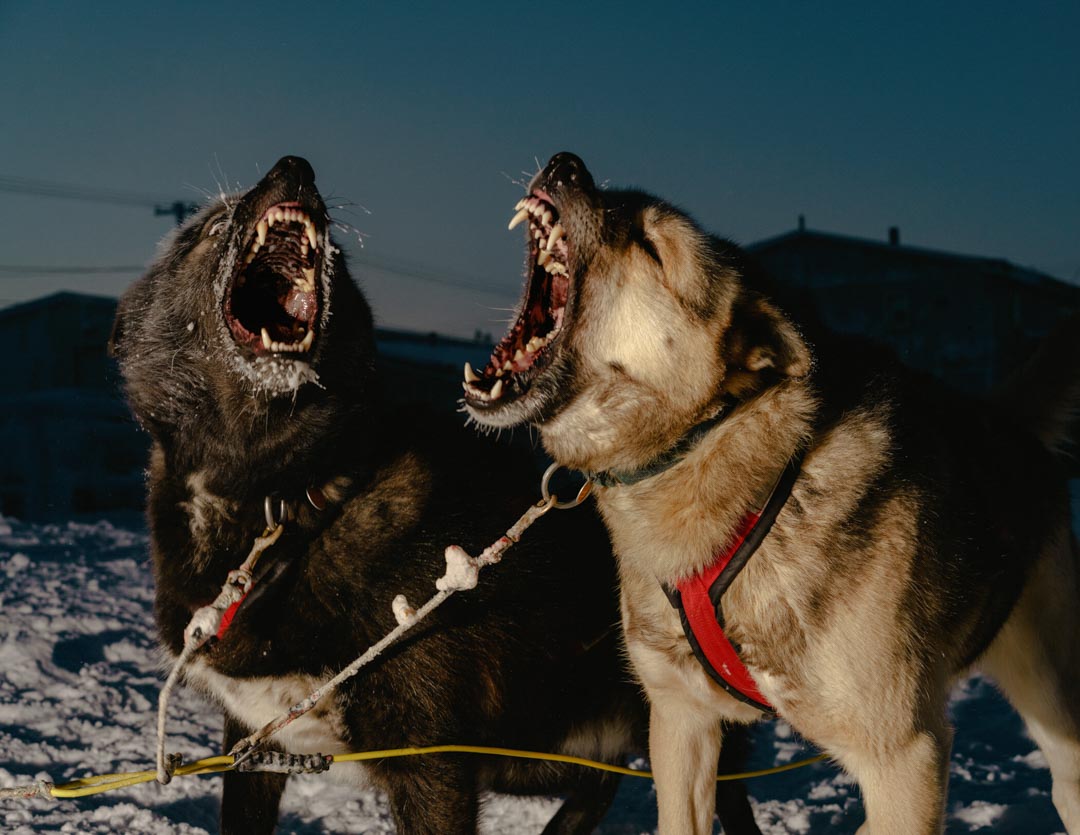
(582, 495)
(268, 509)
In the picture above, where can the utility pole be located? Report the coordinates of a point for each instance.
(180, 210)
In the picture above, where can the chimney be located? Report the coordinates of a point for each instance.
(894, 236)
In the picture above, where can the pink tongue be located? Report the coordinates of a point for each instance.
(300, 305)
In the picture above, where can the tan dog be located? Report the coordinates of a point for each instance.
(925, 536)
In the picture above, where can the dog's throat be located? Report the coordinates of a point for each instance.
(670, 456)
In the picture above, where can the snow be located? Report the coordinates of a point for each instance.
(80, 674)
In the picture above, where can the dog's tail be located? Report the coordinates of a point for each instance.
(1045, 394)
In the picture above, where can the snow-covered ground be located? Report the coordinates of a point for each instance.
(79, 678)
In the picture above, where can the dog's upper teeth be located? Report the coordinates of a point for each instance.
(556, 233)
(306, 342)
(516, 219)
(547, 217)
(311, 236)
(470, 375)
(260, 231)
(497, 390)
(543, 257)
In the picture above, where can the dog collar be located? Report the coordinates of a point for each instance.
(698, 598)
(669, 457)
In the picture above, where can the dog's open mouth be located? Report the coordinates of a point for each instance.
(272, 304)
(525, 350)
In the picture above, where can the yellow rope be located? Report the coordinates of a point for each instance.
(213, 765)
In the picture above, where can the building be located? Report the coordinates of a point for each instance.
(72, 447)
(967, 319)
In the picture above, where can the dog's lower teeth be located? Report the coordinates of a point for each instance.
(266, 339)
(497, 390)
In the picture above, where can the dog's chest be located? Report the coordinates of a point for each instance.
(259, 700)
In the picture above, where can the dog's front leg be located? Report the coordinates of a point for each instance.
(684, 745)
(249, 802)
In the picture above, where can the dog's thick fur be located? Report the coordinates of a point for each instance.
(928, 534)
(529, 659)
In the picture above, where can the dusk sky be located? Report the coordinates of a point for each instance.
(959, 123)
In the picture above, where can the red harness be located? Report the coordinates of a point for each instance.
(698, 598)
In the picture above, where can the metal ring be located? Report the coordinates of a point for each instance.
(268, 510)
(582, 495)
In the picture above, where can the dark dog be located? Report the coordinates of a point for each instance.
(925, 534)
(248, 355)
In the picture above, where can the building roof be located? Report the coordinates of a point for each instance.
(65, 297)
(996, 266)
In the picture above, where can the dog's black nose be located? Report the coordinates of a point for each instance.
(293, 169)
(567, 169)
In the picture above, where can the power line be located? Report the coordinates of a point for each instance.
(46, 188)
(14, 270)
(421, 272)
(180, 209)
(408, 271)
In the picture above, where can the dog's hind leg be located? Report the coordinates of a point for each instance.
(732, 805)
(585, 806)
(1035, 659)
(249, 802)
(684, 747)
(432, 795)
(903, 784)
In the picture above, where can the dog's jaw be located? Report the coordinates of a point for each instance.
(525, 379)
(273, 285)
(276, 373)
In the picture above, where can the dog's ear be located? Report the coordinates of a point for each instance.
(761, 339)
(116, 336)
(122, 321)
